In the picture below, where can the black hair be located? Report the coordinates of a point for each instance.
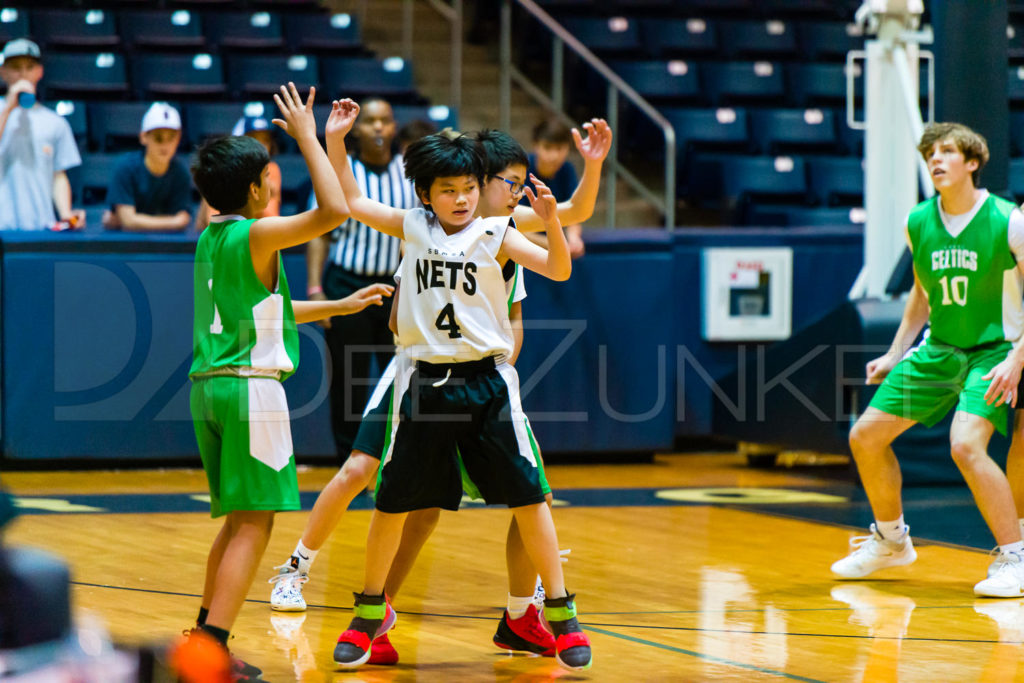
(551, 129)
(225, 167)
(442, 156)
(500, 150)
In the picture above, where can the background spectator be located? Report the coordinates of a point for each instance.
(549, 161)
(413, 131)
(36, 148)
(151, 189)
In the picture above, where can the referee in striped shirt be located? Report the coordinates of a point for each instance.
(358, 256)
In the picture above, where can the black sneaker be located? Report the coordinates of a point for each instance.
(572, 647)
(353, 648)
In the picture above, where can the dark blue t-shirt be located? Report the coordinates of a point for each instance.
(562, 185)
(133, 185)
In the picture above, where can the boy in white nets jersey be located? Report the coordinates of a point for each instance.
(457, 395)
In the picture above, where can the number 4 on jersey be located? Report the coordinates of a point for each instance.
(446, 322)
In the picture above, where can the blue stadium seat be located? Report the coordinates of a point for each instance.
(244, 30)
(738, 82)
(1017, 179)
(158, 76)
(1017, 133)
(783, 215)
(606, 36)
(829, 40)
(732, 8)
(837, 180)
(1015, 85)
(782, 177)
(709, 129)
(205, 120)
(13, 23)
(666, 38)
(262, 75)
(822, 84)
(90, 180)
(163, 29)
(114, 126)
(850, 139)
(95, 75)
(294, 176)
(770, 38)
(85, 29)
(776, 131)
(673, 81)
(74, 112)
(360, 76)
(1015, 38)
(438, 115)
(336, 33)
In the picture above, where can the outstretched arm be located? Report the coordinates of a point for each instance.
(311, 311)
(553, 262)
(378, 216)
(578, 208)
(268, 235)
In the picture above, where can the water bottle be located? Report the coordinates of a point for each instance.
(26, 99)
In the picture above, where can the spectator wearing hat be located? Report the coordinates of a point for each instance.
(36, 149)
(258, 128)
(151, 189)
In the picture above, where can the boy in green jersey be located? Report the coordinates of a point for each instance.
(966, 246)
(245, 343)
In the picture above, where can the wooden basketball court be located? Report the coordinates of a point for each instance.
(679, 575)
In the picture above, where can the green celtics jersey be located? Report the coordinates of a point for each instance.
(971, 280)
(239, 324)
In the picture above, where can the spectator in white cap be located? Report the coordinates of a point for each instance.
(151, 189)
(258, 128)
(36, 149)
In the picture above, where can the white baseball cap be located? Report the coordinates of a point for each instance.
(161, 115)
(20, 47)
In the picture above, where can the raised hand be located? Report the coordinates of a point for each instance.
(543, 202)
(598, 141)
(343, 117)
(296, 116)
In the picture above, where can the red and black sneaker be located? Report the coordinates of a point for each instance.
(572, 647)
(525, 634)
(372, 617)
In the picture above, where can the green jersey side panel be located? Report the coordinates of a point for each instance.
(971, 282)
(238, 322)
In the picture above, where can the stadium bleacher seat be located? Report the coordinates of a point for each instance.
(772, 38)
(720, 129)
(204, 120)
(829, 40)
(439, 115)
(90, 180)
(1015, 39)
(782, 215)
(837, 180)
(262, 75)
(167, 29)
(667, 38)
(91, 75)
(776, 131)
(764, 176)
(13, 23)
(84, 29)
(743, 82)
(673, 81)
(163, 76)
(1017, 133)
(336, 33)
(606, 36)
(244, 30)
(74, 112)
(1017, 179)
(822, 84)
(361, 76)
(850, 139)
(1015, 85)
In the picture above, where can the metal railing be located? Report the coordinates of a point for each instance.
(616, 86)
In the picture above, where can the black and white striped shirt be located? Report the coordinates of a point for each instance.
(357, 247)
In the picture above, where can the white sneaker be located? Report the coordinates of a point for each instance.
(1000, 559)
(871, 553)
(1006, 582)
(287, 593)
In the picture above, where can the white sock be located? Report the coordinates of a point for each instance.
(892, 531)
(1017, 547)
(306, 557)
(517, 606)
